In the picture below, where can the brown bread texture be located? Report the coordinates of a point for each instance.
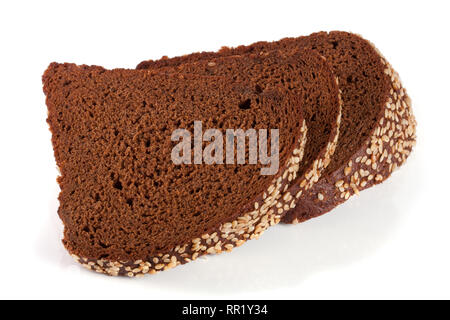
(322, 105)
(377, 130)
(126, 208)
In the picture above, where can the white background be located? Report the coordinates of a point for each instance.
(390, 242)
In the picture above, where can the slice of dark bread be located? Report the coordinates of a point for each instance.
(126, 208)
(322, 108)
(378, 128)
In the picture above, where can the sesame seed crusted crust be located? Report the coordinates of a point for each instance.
(387, 148)
(313, 174)
(267, 211)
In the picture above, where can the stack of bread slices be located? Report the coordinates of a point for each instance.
(343, 119)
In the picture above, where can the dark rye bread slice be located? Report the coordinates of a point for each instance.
(127, 209)
(322, 104)
(377, 130)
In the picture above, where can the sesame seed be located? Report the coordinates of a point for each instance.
(339, 183)
(347, 171)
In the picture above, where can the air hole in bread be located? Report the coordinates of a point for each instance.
(245, 105)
